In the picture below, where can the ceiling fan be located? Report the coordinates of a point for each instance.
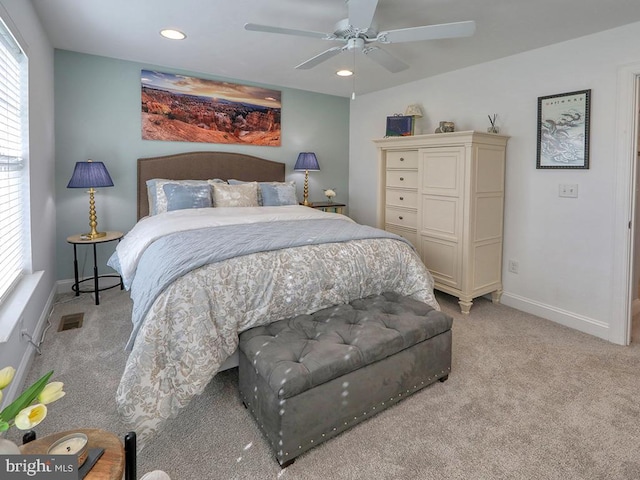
(358, 33)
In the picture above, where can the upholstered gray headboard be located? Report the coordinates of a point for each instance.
(203, 166)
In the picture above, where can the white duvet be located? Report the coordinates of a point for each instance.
(149, 229)
(193, 326)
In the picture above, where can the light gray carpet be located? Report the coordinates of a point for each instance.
(526, 399)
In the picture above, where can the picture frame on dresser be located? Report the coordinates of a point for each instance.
(399, 126)
(563, 130)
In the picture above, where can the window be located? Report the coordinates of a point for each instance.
(13, 174)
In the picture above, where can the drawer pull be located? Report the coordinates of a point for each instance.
(402, 179)
(400, 217)
(401, 198)
(402, 159)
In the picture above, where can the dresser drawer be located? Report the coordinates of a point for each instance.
(402, 198)
(401, 218)
(402, 178)
(403, 159)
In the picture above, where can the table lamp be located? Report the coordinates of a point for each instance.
(306, 161)
(413, 111)
(91, 175)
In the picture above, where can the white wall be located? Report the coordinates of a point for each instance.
(565, 246)
(22, 20)
(635, 286)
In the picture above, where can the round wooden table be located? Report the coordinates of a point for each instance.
(109, 466)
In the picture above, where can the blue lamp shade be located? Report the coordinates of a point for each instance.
(307, 161)
(90, 175)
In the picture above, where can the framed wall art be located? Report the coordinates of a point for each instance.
(563, 130)
(181, 108)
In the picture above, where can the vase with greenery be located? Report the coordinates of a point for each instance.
(29, 409)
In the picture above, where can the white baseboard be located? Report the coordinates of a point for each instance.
(64, 286)
(563, 317)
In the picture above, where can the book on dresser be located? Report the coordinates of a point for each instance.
(445, 194)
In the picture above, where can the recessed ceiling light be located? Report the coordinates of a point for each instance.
(344, 73)
(172, 34)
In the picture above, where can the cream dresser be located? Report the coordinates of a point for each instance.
(445, 193)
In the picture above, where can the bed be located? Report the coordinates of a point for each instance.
(200, 276)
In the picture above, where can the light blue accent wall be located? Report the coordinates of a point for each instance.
(97, 116)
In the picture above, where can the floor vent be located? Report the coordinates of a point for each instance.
(68, 322)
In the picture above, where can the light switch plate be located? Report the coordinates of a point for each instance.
(569, 190)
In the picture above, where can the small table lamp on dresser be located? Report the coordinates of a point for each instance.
(91, 175)
(414, 111)
(307, 161)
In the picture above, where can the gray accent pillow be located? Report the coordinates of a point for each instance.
(276, 194)
(156, 195)
(180, 197)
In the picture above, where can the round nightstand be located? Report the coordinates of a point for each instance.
(76, 240)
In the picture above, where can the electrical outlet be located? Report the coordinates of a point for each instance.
(569, 190)
(513, 266)
(24, 333)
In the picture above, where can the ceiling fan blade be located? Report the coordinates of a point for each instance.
(254, 27)
(318, 59)
(384, 58)
(428, 32)
(361, 13)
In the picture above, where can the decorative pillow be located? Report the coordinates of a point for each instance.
(241, 182)
(180, 197)
(278, 193)
(152, 194)
(156, 195)
(243, 195)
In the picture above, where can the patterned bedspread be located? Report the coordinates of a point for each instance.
(193, 325)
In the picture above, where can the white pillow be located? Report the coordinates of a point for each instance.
(243, 195)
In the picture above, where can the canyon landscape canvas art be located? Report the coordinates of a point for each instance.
(189, 109)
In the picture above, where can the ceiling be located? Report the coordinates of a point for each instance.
(218, 45)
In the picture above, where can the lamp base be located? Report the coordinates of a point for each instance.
(305, 195)
(93, 236)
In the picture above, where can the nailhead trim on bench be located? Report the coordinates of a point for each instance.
(392, 399)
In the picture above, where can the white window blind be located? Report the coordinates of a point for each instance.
(12, 171)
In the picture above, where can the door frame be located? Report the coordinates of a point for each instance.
(625, 164)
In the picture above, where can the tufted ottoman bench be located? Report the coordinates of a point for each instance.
(308, 378)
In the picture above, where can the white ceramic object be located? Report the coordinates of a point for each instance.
(73, 444)
(7, 447)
